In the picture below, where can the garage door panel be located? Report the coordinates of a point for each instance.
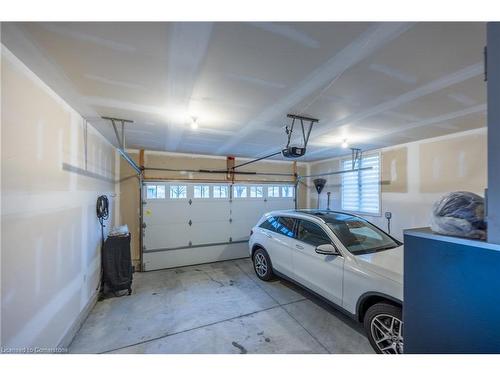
(210, 232)
(184, 230)
(244, 206)
(167, 237)
(280, 204)
(166, 212)
(244, 215)
(240, 230)
(249, 210)
(214, 210)
(195, 255)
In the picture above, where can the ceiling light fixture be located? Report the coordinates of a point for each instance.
(345, 144)
(194, 123)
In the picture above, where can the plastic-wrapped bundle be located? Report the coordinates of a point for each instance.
(460, 213)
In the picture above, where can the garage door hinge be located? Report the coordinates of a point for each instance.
(190, 244)
(190, 223)
(190, 202)
(144, 225)
(230, 239)
(230, 220)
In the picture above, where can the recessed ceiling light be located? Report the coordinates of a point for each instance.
(194, 123)
(345, 144)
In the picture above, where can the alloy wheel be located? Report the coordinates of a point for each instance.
(260, 264)
(387, 333)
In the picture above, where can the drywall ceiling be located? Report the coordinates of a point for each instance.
(374, 84)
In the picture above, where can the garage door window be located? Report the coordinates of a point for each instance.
(256, 191)
(273, 191)
(361, 190)
(240, 191)
(287, 191)
(178, 191)
(202, 191)
(220, 191)
(155, 192)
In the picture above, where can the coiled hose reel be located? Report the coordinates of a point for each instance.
(102, 211)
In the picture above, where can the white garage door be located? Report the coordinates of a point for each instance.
(193, 223)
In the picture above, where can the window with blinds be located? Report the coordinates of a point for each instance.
(361, 189)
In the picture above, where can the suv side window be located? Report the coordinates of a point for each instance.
(281, 225)
(287, 225)
(270, 223)
(312, 234)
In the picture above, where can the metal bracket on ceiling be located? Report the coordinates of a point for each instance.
(121, 140)
(114, 122)
(305, 133)
(357, 155)
(289, 132)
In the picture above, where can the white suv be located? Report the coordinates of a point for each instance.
(342, 258)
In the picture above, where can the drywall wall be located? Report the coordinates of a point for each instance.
(415, 175)
(393, 171)
(50, 253)
(454, 163)
(129, 184)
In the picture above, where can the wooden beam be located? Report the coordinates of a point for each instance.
(141, 158)
(230, 163)
(207, 180)
(141, 162)
(294, 170)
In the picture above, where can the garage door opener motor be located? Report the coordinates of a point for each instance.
(296, 151)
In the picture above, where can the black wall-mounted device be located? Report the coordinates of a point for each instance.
(388, 216)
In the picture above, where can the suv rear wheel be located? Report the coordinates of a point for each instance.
(262, 265)
(384, 326)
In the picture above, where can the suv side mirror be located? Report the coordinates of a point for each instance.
(327, 249)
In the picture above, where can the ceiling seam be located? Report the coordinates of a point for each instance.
(187, 37)
(431, 121)
(378, 35)
(461, 75)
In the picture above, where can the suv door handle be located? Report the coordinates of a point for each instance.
(300, 247)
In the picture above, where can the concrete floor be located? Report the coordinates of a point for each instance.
(216, 308)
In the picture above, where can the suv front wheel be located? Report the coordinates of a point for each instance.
(384, 326)
(262, 265)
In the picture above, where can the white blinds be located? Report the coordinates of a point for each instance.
(361, 189)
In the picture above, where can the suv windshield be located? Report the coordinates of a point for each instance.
(358, 235)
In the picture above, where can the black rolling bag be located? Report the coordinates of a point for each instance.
(117, 264)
